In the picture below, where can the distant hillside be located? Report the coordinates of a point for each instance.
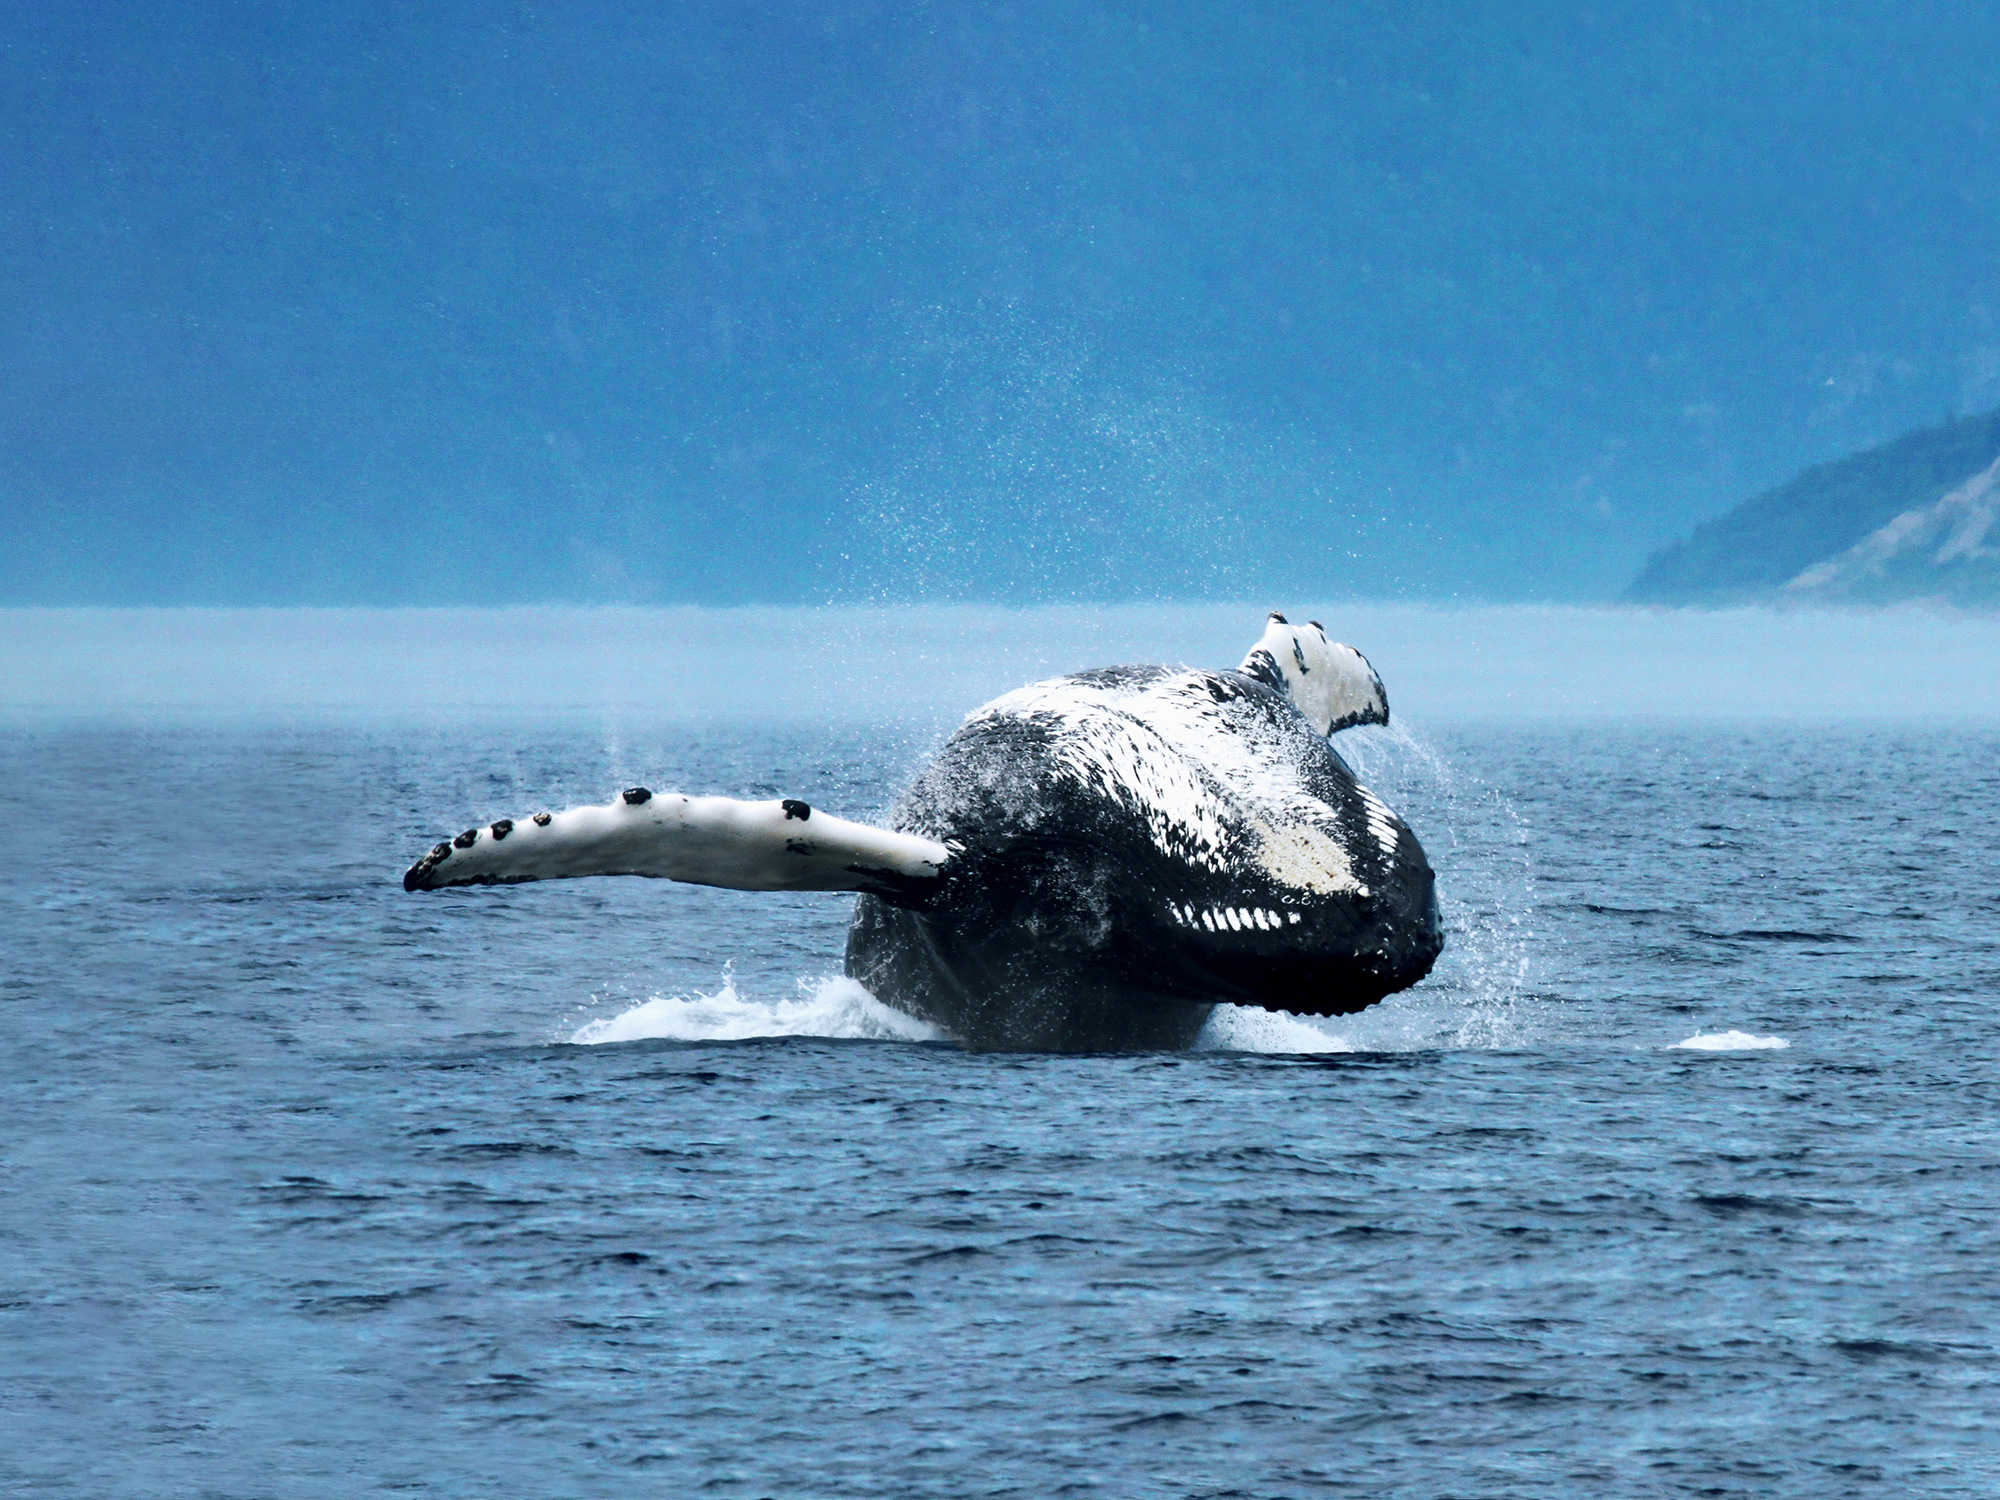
(1873, 527)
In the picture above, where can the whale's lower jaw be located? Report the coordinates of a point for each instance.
(996, 993)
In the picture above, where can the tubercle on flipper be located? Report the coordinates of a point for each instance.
(417, 877)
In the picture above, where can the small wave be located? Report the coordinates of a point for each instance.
(1779, 935)
(829, 1007)
(1729, 1041)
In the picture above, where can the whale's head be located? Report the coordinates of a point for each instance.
(1332, 684)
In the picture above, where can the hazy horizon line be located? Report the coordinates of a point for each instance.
(857, 662)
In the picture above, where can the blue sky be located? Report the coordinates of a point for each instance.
(736, 303)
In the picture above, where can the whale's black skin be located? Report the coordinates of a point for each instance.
(1104, 828)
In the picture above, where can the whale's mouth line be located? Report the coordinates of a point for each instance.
(1163, 907)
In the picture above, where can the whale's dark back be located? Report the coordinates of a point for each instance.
(1139, 844)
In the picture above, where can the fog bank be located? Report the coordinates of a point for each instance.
(860, 663)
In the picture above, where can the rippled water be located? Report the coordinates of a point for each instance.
(1679, 1177)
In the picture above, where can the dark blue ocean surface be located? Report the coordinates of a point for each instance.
(309, 1190)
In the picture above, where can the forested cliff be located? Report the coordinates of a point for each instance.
(1913, 518)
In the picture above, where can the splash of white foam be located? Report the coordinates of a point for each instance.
(1484, 992)
(1729, 1041)
(1418, 1021)
(828, 1007)
(1244, 1028)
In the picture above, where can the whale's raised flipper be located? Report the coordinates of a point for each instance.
(748, 846)
(1332, 684)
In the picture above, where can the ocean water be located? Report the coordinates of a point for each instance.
(1681, 1176)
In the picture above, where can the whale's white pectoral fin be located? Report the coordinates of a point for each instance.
(1332, 684)
(748, 846)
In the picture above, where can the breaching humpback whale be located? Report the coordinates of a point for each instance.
(1091, 862)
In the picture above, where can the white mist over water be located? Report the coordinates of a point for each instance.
(935, 662)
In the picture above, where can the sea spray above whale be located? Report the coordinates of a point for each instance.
(1090, 862)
